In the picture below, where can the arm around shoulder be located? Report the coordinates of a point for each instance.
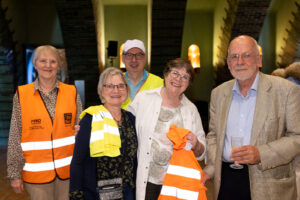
(79, 108)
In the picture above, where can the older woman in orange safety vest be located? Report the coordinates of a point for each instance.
(41, 138)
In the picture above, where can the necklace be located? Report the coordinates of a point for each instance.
(116, 114)
(118, 120)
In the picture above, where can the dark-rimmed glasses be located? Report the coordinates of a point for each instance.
(138, 56)
(120, 86)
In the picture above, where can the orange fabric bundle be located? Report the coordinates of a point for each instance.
(184, 174)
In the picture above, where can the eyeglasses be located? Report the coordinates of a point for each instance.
(138, 56)
(120, 86)
(175, 74)
(244, 56)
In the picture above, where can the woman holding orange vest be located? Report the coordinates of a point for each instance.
(156, 110)
(41, 137)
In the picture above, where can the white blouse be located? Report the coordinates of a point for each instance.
(146, 107)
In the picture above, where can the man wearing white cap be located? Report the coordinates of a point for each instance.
(134, 58)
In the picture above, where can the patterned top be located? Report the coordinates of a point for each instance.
(161, 146)
(84, 168)
(15, 158)
(112, 167)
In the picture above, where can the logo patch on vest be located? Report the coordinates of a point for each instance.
(36, 121)
(36, 124)
(68, 118)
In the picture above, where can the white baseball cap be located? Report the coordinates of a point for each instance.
(129, 44)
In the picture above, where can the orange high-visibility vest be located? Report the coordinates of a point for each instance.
(184, 174)
(47, 146)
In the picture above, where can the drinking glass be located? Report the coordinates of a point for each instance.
(236, 141)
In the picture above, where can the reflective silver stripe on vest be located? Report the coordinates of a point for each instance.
(101, 115)
(184, 171)
(37, 167)
(99, 135)
(29, 146)
(179, 193)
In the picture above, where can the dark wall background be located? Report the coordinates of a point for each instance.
(198, 29)
(267, 42)
(123, 23)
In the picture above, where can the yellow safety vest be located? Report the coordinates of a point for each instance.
(105, 137)
(150, 83)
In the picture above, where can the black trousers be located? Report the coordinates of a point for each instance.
(152, 191)
(234, 183)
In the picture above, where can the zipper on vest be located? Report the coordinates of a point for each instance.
(53, 159)
(52, 149)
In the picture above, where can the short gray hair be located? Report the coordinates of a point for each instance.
(43, 48)
(109, 72)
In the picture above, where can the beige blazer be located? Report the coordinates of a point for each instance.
(275, 132)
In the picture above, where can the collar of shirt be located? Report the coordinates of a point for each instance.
(38, 87)
(135, 88)
(253, 89)
(145, 75)
(292, 79)
(157, 91)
